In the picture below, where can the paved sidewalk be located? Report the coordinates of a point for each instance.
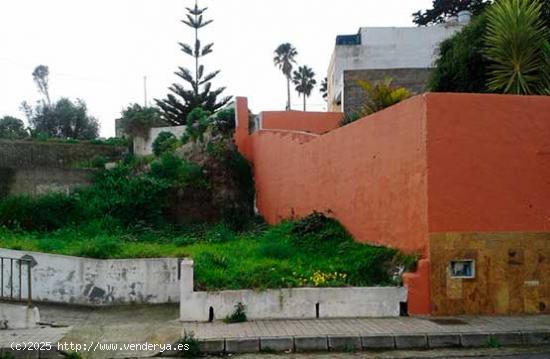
(370, 334)
(367, 326)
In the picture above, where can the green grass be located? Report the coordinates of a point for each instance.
(312, 252)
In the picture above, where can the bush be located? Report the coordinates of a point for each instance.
(165, 142)
(44, 213)
(238, 316)
(224, 122)
(172, 168)
(197, 124)
(191, 346)
(461, 66)
(381, 95)
(131, 199)
(317, 232)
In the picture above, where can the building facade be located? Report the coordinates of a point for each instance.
(405, 54)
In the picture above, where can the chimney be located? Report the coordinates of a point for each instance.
(464, 17)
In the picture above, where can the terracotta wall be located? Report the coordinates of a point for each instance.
(376, 188)
(489, 160)
(314, 122)
(436, 163)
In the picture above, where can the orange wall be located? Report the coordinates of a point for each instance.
(314, 122)
(374, 186)
(489, 160)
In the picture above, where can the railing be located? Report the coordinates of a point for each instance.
(12, 273)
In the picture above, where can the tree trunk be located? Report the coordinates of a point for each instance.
(288, 92)
(304, 102)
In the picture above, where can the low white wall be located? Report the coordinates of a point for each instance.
(64, 279)
(297, 303)
(144, 147)
(14, 316)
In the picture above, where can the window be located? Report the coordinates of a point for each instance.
(463, 268)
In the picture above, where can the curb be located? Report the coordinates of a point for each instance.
(356, 343)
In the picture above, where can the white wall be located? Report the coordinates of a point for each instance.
(294, 303)
(63, 279)
(144, 147)
(389, 48)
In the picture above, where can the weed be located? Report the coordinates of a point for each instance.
(493, 342)
(238, 316)
(191, 345)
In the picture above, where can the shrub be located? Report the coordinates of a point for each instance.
(317, 232)
(129, 198)
(238, 316)
(191, 345)
(197, 124)
(137, 120)
(165, 142)
(518, 48)
(172, 168)
(111, 141)
(381, 95)
(44, 213)
(461, 66)
(224, 122)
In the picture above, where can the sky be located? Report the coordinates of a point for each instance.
(101, 50)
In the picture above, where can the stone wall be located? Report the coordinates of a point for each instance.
(72, 280)
(414, 80)
(510, 273)
(36, 168)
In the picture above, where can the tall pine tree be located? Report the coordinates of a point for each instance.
(178, 104)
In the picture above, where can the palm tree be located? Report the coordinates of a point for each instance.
(285, 56)
(304, 79)
(518, 48)
(324, 89)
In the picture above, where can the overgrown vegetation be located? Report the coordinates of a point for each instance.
(315, 251)
(191, 345)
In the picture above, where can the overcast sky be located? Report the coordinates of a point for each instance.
(100, 50)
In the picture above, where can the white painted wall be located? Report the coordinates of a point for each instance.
(294, 303)
(13, 316)
(144, 147)
(388, 48)
(64, 279)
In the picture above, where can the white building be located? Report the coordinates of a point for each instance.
(405, 54)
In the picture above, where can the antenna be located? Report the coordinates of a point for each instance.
(145, 90)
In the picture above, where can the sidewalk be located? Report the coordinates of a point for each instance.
(371, 334)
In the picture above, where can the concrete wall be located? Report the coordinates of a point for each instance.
(386, 48)
(414, 80)
(63, 279)
(13, 316)
(297, 303)
(36, 168)
(144, 146)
